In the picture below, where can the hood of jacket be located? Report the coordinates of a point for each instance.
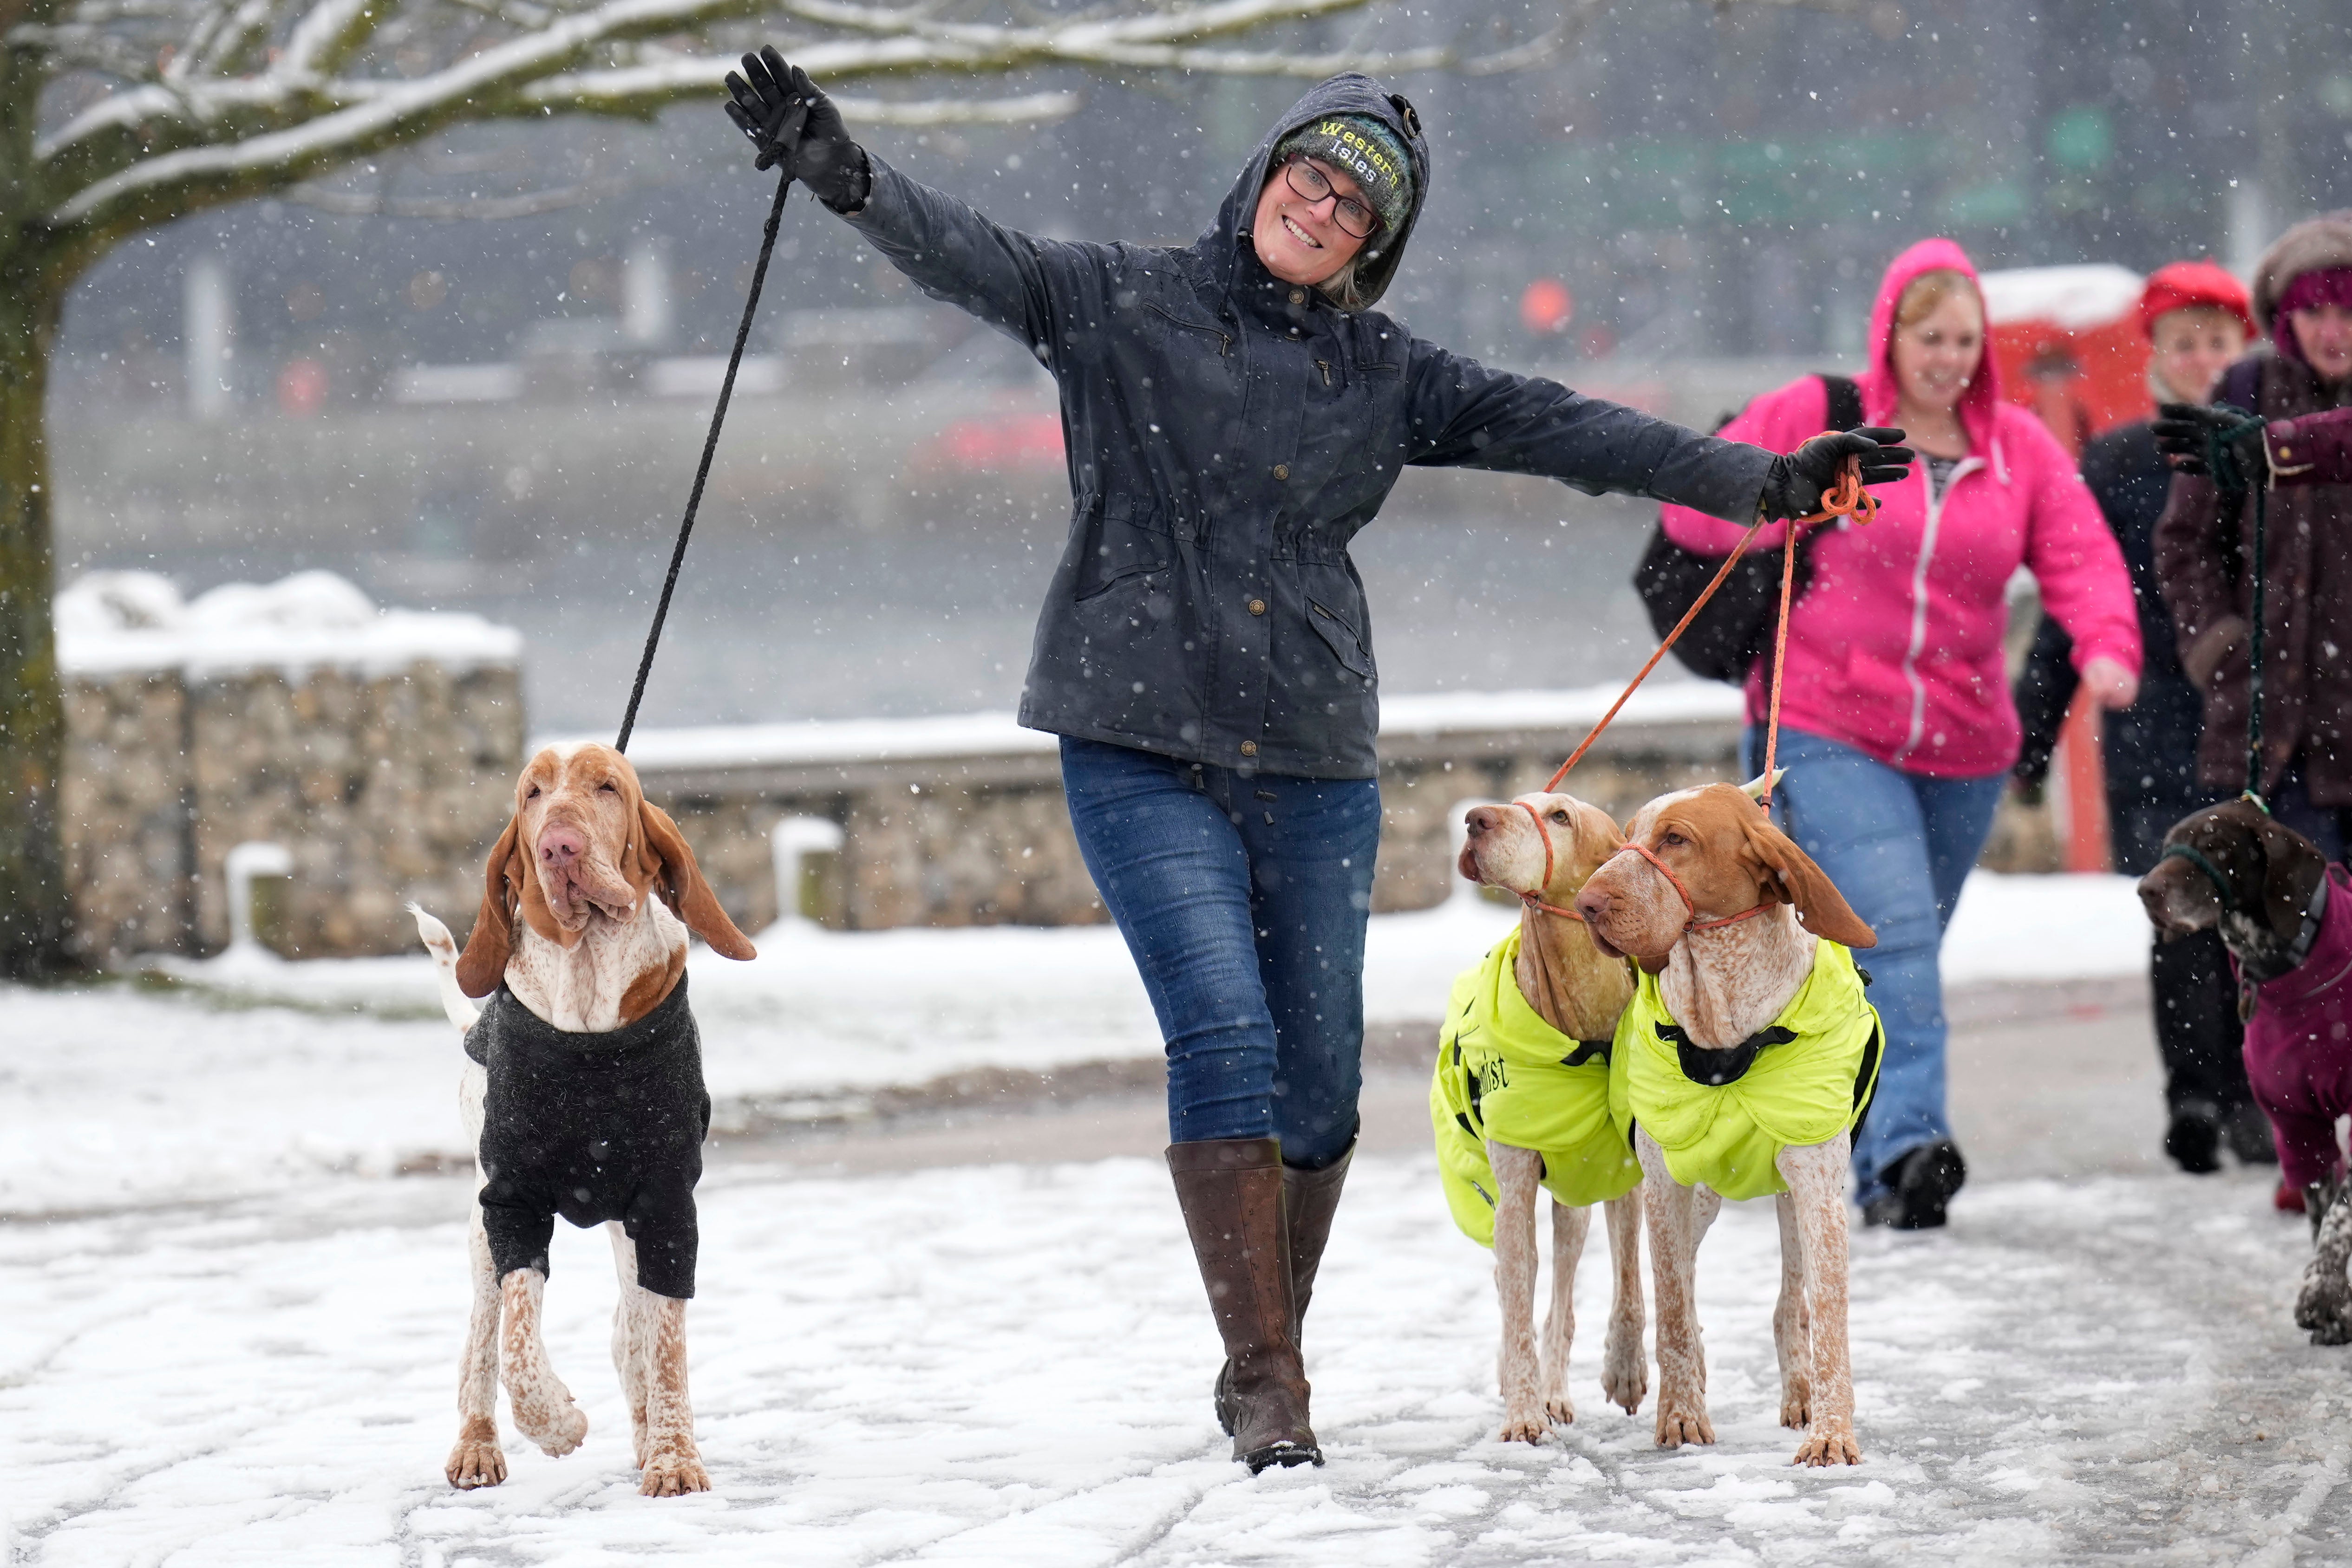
(1226, 240)
(1879, 388)
(2312, 244)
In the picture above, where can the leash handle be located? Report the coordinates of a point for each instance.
(709, 449)
(1846, 498)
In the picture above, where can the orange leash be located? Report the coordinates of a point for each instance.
(1846, 498)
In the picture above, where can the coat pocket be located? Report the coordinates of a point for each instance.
(1120, 543)
(1345, 641)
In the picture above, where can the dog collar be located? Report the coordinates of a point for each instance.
(1694, 922)
(2307, 936)
(2199, 859)
(1535, 901)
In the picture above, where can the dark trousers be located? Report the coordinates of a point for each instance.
(1243, 899)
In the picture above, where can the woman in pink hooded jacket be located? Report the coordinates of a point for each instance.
(1897, 725)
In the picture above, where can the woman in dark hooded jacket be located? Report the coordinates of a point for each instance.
(1233, 412)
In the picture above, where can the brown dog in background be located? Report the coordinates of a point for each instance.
(588, 897)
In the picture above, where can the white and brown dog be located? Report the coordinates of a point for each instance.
(583, 1097)
(1524, 1052)
(1749, 990)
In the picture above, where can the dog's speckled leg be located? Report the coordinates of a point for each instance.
(1791, 1336)
(1676, 1220)
(477, 1460)
(2324, 1305)
(1816, 1177)
(631, 1344)
(673, 1464)
(1518, 1178)
(1624, 1364)
(1569, 1228)
(544, 1409)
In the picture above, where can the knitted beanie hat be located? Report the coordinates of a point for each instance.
(1367, 152)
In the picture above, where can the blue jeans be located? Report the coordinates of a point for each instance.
(1244, 898)
(1898, 846)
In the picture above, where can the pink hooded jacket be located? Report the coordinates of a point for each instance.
(1896, 649)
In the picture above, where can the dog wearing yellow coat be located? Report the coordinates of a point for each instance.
(1520, 1100)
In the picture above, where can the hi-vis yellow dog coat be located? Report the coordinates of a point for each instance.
(1504, 1073)
(1721, 1117)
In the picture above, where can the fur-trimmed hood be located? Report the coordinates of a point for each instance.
(2315, 243)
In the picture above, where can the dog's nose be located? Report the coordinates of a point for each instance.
(560, 846)
(1592, 903)
(1481, 819)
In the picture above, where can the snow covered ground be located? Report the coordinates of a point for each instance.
(263, 1072)
(224, 1340)
(1010, 1366)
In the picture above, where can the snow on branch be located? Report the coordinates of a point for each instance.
(224, 114)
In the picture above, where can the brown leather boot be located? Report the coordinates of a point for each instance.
(1309, 1199)
(1231, 1190)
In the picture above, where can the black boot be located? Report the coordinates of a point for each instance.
(2194, 1137)
(2247, 1130)
(1309, 1199)
(1918, 1185)
(1231, 1190)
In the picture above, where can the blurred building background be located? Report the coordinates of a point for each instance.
(476, 374)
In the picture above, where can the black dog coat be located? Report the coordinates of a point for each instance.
(593, 1127)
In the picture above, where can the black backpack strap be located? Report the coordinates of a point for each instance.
(1845, 402)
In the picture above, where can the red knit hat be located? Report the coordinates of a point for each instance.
(2187, 284)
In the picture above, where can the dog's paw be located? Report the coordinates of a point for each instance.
(1625, 1381)
(476, 1462)
(673, 1474)
(1678, 1425)
(1523, 1423)
(2326, 1311)
(1796, 1404)
(1559, 1410)
(557, 1428)
(1832, 1446)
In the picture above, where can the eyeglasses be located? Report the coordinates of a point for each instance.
(1310, 182)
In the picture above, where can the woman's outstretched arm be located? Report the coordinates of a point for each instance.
(1465, 415)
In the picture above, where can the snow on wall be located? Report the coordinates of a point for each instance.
(113, 623)
(998, 734)
(2091, 295)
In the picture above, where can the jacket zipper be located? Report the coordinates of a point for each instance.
(1224, 344)
(1324, 366)
(1919, 599)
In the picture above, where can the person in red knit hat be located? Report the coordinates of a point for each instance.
(2198, 319)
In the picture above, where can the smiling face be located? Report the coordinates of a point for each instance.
(2323, 333)
(1301, 241)
(2192, 347)
(1935, 356)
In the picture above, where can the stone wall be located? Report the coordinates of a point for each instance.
(970, 829)
(378, 748)
(384, 789)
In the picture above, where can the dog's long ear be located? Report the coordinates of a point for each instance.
(1791, 875)
(484, 962)
(2292, 864)
(680, 880)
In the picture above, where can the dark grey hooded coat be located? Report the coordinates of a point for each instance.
(1227, 434)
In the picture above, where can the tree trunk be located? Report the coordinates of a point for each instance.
(34, 910)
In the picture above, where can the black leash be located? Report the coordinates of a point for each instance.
(2221, 462)
(709, 447)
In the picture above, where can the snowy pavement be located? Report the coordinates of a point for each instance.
(265, 1072)
(225, 1339)
(1010, 1366)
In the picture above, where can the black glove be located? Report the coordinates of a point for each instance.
(1796, 482)
(790, 122)
(2181, 432)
